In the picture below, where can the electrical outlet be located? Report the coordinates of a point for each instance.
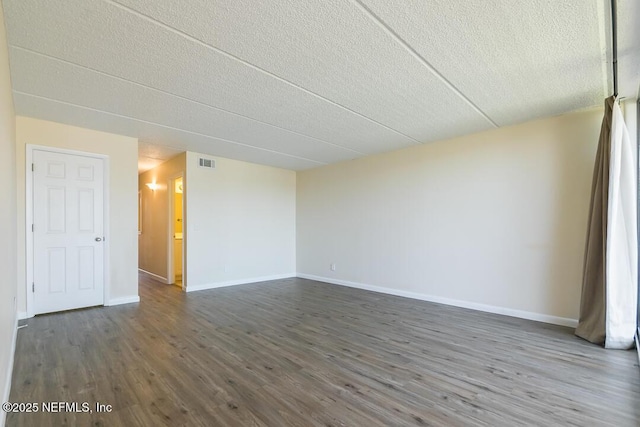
(333, 266)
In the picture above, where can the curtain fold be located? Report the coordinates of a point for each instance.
(622, 239)
(608, 306)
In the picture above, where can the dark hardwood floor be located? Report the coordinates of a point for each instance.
(297, 352)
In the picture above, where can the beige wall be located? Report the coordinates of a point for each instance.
(153, 241)
(494, 220)
(123, 197)
(8, 284)
(240, 224)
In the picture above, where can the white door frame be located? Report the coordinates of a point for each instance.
(171, 274)
(29, 218)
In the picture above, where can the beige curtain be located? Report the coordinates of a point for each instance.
(592, 320)
(608, 308)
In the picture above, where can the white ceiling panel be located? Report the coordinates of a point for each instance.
(515, 60)
(146, 163)
(629, 48)
(303, 83)
(150, 155)
(101, 36)
(86, 88)
(156, 152)
(60, 112)
(331, 48)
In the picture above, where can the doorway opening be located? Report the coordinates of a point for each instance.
(176, 233)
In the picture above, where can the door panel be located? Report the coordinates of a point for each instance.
(68, 197)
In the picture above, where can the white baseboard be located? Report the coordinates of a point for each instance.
(238, 282)
(23, 315)
(545, 318)
(7, 386)
(162, 279)
(123, 300)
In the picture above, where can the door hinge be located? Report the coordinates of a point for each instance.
(32, 228)
(33, 167)
(33, 287)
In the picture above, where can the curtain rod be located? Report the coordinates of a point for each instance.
(614, 49)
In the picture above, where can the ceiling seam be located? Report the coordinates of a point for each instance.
(183, 98)
(255, 67)
(421, 59)
(168, 127)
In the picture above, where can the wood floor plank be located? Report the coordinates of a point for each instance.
(303, 353)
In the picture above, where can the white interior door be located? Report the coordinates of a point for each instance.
(68, 239)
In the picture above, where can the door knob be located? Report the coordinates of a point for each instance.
(98, 239)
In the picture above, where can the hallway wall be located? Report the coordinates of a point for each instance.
(241, 223)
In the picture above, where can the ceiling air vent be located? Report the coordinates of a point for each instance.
(207, 163)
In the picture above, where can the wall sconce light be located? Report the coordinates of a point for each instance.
(152, 186)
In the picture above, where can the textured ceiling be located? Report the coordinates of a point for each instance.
(151, 155)
(298, 84)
